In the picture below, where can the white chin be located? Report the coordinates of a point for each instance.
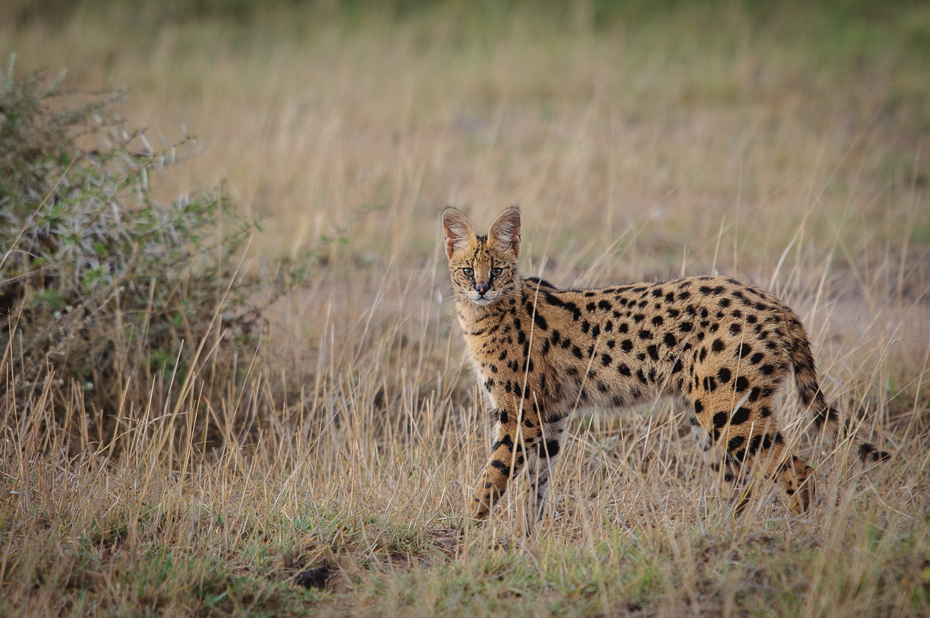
(482, 301)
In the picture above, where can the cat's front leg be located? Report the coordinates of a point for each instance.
(513, 439)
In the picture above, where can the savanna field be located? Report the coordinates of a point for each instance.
(232, 381)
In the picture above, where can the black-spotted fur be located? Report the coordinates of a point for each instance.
(540, 352)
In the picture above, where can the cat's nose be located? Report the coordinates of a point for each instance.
(482, 288)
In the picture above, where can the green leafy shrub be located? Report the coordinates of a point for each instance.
(100, 282)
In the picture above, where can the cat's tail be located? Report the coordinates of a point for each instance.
(827, 419)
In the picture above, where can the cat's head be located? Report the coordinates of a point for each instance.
(483, 268)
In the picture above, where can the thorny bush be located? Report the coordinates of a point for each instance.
(101, 284)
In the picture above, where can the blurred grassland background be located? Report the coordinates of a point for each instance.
(784, 143)
(667, 115)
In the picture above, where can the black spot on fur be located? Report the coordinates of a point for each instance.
(540, 321)
(723, 374)
(506, 442)
(754, 443)
(653, 351)
(549, 448)
(571, 307)
(741, 384)
(740, 416)
(500, 465)
(735, 443)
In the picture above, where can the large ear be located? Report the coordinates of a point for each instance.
(457, 230)
(505, 231)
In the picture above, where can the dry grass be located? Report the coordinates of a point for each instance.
(790, 153)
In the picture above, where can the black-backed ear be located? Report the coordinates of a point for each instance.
(457, 230)
(505, 231)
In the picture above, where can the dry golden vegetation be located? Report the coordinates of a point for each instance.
(328, 467)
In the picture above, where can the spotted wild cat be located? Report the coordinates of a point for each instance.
(719, 344)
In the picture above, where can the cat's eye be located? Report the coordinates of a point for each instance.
(468, 272)
(496, 271)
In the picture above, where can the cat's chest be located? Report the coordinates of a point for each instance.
(496, 346)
